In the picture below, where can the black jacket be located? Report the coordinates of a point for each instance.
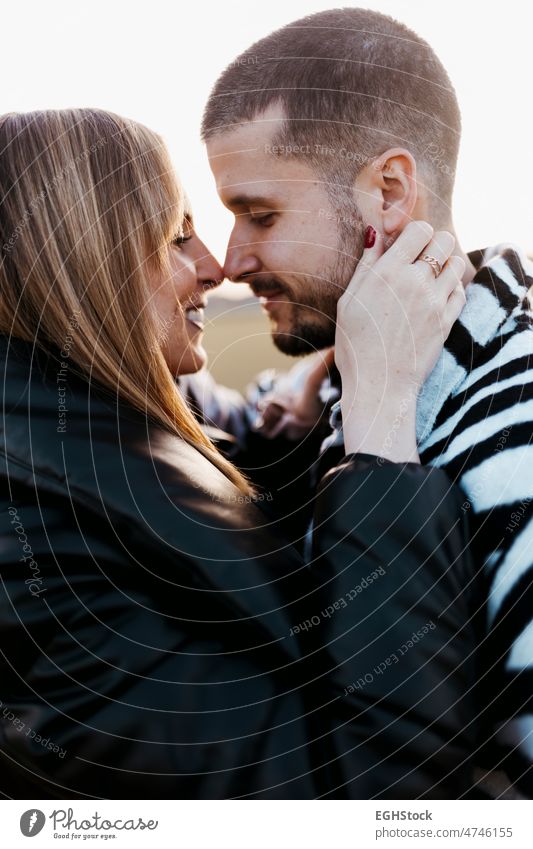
(160, 639)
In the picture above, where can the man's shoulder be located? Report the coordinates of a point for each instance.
(486, 365)
(496, 393)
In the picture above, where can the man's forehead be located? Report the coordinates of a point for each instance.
(248, 164)
(252, 134)
(242, 154)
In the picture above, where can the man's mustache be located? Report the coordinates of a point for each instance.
(265, 286)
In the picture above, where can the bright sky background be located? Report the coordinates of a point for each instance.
(155, 61)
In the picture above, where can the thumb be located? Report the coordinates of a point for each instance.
(374, 247)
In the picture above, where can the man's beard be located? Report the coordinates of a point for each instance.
(316, 331)
(312, 324)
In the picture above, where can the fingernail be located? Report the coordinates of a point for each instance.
(370, 237)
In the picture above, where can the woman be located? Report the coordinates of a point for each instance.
(159, 638)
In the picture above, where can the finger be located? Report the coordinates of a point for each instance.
(328, 356)
(450, 276)
(320, 370)
(269, 416)
(454, 306)
(440, 248)
(374, 248)
(410, 243)
(278, 427)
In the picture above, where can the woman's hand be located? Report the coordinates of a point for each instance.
(392, 322)
(294, 407)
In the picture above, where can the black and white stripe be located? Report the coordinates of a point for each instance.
(475, 419)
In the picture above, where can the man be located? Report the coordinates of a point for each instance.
(346, 119)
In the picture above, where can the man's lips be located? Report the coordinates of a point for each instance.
(267, 296)
(271, 300)
(271, 296)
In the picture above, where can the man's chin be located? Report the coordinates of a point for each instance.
(303, 341)
(291, 346)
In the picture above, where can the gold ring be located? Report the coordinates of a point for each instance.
(436, 267)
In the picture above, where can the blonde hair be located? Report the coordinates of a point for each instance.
(87, 198)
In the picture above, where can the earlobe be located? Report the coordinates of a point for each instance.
(399, 190)
(387, 192)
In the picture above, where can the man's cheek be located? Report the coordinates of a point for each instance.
(308, 260)
(285, 256)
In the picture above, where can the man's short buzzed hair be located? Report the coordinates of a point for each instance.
(351, 83)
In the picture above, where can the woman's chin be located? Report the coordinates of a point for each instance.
(194, 359)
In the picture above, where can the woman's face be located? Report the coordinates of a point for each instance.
(180, 300)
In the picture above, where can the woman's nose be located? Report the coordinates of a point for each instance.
(209, 272)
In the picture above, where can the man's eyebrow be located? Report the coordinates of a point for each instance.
(248, 200)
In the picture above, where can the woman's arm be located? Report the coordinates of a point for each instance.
(396, 628)
(390, 544)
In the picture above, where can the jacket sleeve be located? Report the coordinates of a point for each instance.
(395, 624)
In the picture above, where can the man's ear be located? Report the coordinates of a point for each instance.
(390, 188)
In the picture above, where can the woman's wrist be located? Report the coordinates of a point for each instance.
(383, 426)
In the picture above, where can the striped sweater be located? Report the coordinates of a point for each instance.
(475, 420)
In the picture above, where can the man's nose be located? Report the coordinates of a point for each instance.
(240, 261)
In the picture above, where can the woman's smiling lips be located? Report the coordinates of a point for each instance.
(195, 315)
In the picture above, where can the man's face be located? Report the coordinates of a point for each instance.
(287, 242)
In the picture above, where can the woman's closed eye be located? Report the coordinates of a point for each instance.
(179, 241)
(187, 232)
